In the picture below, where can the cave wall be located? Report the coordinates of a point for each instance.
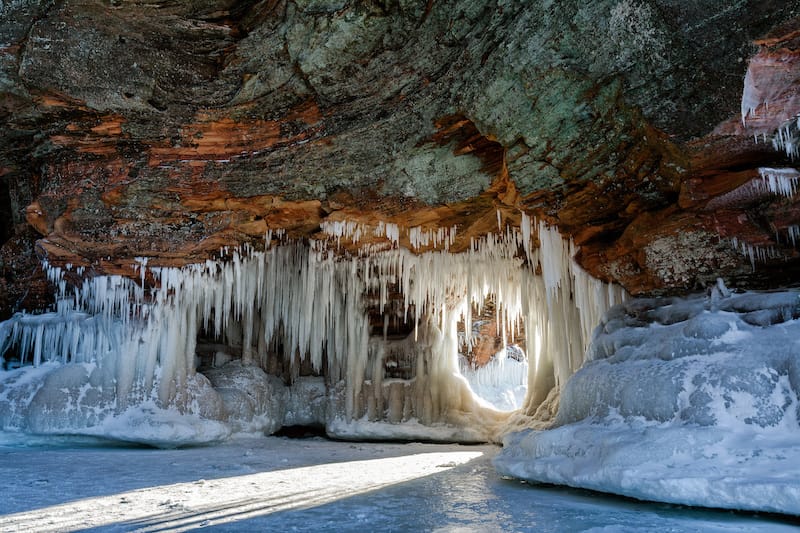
(169, 129)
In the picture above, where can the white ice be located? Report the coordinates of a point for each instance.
(691, 401)
(781, 181)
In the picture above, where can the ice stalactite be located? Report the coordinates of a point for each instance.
(787, 138)
(420, 237)
(561, 309)
(781, 181)
(778, 181)
(771, 93)
(755, 253)
(793, 232)
(302, 305)
(751, 97)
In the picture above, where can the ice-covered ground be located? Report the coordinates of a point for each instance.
(691, 401)
(277, 484)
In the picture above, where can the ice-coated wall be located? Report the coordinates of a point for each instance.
(121, 347)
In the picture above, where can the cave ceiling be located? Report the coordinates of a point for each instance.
(169, 129)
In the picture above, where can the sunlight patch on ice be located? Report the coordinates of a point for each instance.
(201, 503)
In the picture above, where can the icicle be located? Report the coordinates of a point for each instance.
(750, 97)
(755, 253)
(793, 232)
(787, 138)
(315, 305)
(782, 181)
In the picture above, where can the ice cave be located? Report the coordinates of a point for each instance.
(521, 248)
(367, 346)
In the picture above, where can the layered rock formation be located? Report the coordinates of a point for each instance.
(167, 129)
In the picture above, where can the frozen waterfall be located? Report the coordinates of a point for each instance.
(118, 355)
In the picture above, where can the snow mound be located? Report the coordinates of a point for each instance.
(691, 401)
(81, 399)
(162, 428)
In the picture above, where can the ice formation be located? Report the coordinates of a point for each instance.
(755, 253)
(751, 97)
(419, 237)
(295, 306)
(787, 138)
(502, 382)
(778, 181)
(756, 95)
(782, 181)
(691, 401)
(793, 232)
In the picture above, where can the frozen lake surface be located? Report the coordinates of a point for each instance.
(280, 484)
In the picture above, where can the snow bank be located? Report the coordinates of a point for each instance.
(691, 401)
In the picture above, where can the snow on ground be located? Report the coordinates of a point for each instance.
(691, 401)
(278, 484)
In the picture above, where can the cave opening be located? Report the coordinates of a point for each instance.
(310, 431)
(401, 348)
(494, 360)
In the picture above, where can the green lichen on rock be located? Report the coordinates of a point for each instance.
(416, 175)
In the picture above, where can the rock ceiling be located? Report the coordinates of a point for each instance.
(168, 129)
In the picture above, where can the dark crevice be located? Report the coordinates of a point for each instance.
(6, 213)
(302, 432)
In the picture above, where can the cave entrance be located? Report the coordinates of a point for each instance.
(494, 360)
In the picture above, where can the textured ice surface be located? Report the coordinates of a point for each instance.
(253, 400)
(689, 401)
